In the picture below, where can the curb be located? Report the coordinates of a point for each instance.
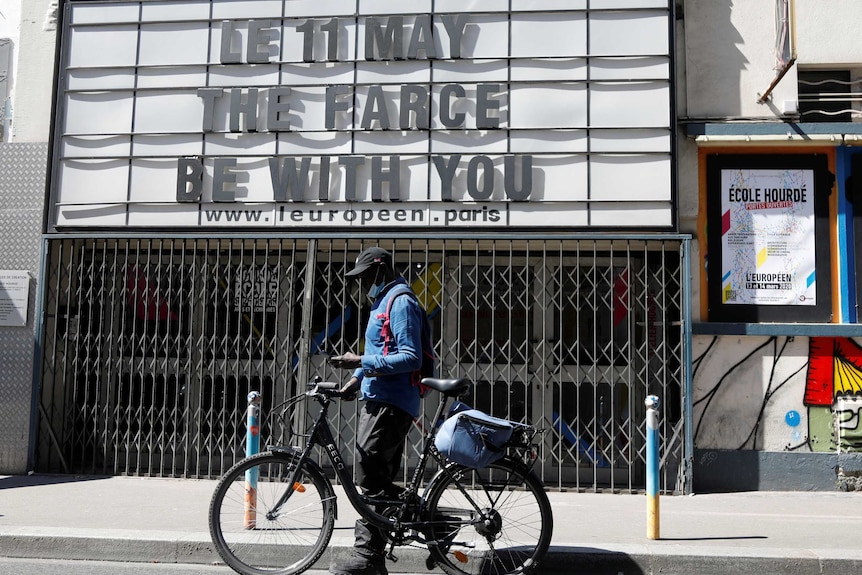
(115, 547)
(686, 562)
(172, 547)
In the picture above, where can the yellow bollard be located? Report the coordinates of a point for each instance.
(252, 446)
(652, 466)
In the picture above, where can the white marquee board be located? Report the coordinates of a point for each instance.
(377, 113)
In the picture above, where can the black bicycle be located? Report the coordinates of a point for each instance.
(274, 512)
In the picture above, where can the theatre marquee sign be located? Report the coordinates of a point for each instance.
(377, 113)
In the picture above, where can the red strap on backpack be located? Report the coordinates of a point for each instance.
(386, 332)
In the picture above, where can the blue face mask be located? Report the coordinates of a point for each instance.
(375, 290)
(377, 286)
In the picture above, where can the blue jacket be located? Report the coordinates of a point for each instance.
(386, 378)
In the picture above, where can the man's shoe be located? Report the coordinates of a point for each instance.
(360, 565)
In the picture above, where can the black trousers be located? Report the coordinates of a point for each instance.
(380, 442)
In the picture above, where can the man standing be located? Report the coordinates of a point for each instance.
(390, 400)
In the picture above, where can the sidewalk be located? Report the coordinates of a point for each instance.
(165, 520)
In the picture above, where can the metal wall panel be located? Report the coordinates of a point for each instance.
(152, 345)
(22, 195)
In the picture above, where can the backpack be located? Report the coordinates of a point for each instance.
(427, 367)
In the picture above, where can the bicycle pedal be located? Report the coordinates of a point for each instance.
(391, 556)
(430, 564)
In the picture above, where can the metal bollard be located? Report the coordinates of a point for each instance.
(652, 466)
(252, 446)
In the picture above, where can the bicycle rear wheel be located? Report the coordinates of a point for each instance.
(258, 531)
(494, 520)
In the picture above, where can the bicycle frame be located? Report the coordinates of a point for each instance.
(321, 434)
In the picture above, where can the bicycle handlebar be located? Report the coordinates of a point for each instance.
(327, 388)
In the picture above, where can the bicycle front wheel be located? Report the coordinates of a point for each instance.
(493, 520)
(263, 523)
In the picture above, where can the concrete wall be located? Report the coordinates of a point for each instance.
(9, 25)
(777, 393)
(11, 19)
(34, 84)
(729, 52)
(827, 33)
(730, 59)
(23, 168)
(791, 401)
(744, 389)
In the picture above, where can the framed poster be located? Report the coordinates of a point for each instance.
(768, 256)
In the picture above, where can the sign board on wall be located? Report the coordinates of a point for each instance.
(255, 289)
(373, 113)
(768, 257)
(14, 297)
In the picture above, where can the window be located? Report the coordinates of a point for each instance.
(825, 95)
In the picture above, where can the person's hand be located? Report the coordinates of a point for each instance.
(349, 389)
(347, 360)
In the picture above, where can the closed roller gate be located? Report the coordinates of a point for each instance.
(150, 346)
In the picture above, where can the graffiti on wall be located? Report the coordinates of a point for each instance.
(787, 401)
(833, 394)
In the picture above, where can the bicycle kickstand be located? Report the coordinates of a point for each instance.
(391, 555)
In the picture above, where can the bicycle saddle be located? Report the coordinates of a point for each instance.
(447, 386)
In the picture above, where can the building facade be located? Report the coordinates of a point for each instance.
(770, 86)
(545, 173)
(24, 151)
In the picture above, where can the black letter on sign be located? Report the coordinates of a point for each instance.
(190, 178)
(473, 178)
(526, 177)
(286, 178)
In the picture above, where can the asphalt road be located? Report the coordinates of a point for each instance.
(57, 567)
(60, 567)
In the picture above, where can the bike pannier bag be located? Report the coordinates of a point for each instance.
(473, 438)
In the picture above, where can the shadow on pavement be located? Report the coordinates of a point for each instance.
(13, 481)
(589, 560)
